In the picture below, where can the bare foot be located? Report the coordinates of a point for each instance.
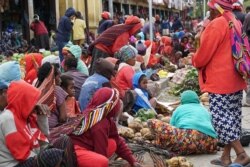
(242, 159)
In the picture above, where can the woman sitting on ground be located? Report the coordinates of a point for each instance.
(75, 51)
(190, 130)
(20, 136)
(124, 76)
(101, 141)
(52, 94)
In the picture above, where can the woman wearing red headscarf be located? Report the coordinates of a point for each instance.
(32, 63)
(99, 142)
(110, 41)
(20, 135)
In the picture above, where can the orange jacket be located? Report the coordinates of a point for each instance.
(215, 62)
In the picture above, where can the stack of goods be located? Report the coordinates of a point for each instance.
(178, 162)
(185, 79)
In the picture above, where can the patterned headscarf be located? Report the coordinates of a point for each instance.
(126, 52)
(225, 4)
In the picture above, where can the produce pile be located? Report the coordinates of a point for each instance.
(138, 130)
(142, 143)
(188, 80)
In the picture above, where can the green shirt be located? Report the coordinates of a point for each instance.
(193, 116)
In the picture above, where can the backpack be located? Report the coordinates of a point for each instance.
(240, 49)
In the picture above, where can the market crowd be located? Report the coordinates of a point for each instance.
(63, 99)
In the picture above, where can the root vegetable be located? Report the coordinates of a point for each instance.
(138, 134)
(144, 131)
(136, 126)
(166, 119)
(127, 132)
(145, 124)
(149, 136)
(137, 120)
(159, 116)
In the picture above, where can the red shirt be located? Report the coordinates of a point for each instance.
(39, 28)
(214, 60)
(96, 139)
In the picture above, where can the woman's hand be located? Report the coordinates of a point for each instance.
(41, 109)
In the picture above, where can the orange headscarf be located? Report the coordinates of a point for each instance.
(32, 62)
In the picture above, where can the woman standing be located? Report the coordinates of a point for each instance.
(217, 75)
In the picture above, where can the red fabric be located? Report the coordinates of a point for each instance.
(166, 40)
(32, 63)
(120, 41)
(39, 28)
(86, 158)
(132, 20)
(124, 79)
(96, 138)
(153, 60)
(105, 15)
(72, 107)
(101, 96)
(214, 60)
(225, 4)
(21, 142)
(123, 38)
(87, 60)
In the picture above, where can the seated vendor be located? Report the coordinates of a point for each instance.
(190, 130)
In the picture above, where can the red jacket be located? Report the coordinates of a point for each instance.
(214, 60)
(39, 28)
(96, 139)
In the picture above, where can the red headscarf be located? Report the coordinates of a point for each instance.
(105, 15)
(167, 41)
(22, 98)
(134, 20)
(32, 61)
(225, 4)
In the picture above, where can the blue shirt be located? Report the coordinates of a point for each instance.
(90, 86)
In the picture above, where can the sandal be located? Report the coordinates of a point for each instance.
(218, 161)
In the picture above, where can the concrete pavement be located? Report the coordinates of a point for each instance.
(204, 160)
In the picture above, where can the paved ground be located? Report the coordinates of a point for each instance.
(204, 160)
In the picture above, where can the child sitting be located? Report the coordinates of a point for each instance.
(71, 104)
(143, 99)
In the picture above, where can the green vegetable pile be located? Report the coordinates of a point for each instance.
(190, 83)
(145, 114)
